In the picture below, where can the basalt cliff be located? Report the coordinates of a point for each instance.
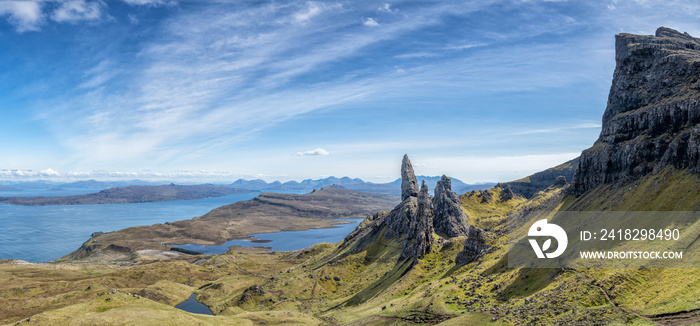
(652, 119)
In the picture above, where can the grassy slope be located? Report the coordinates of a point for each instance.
(329, 285)
(304, 284)
(648, 291)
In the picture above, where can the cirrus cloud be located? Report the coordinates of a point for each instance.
(314, 152)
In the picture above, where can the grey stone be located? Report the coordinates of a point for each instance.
(409, 184)
(474, 246)
(506, 192)
(449, 220)
(419, 237)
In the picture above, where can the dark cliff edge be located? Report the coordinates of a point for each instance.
(559, 175)
(652, 118)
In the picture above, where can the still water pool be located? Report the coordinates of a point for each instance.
(194, 306)
(284, 240)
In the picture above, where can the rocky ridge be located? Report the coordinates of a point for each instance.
(652, 119)
(557, 176)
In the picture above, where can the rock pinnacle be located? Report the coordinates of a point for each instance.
(409, 184)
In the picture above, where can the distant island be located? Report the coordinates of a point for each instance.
(131, 194)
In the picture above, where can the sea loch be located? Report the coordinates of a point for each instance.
(45, 233)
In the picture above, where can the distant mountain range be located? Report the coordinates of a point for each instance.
(391, 188)
(83, 184)
(308, 185)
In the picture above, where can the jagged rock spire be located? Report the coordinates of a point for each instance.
(416, 219)
(425, 205)
(419, 238)
(409, 184)
(449, 219)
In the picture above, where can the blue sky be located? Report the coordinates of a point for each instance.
(216, 90)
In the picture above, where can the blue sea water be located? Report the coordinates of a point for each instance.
(53, 192)
(284, 240)
(45, 233)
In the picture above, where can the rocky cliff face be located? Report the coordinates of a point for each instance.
(652, 119)
(449, 219)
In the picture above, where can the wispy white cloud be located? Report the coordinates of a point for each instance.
(200, 88)
(465, 46)
(312, 10)
(133, 19)
(100, 74)
(151, 2)
(386, 8)
(416, 55)
(24, 15)
(314, 152)
(369, 21)
(72, 11)
(30, 15)
(114, 175)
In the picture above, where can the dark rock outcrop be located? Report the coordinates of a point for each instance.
(652, 119)
(474, 246)
(399, 219)
(506, 192)
(252, 292)
(449, 220)
(365, 233)
(409, 184)
(528, 187)
(486, 197)
(419, 238)
(560, 181)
